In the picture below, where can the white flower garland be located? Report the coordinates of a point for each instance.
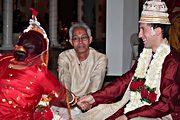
(152, 75)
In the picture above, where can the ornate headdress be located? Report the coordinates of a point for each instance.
(34, 29)
(154, 11)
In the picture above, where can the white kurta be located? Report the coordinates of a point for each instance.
(82, 77)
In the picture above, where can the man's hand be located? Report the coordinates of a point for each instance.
(85, 102)
(122, 117)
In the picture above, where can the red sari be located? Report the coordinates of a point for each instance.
(21, 90)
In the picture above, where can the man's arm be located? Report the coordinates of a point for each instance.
(97, 76)
(108, 94)
(169, 93)
(63, 71)
(115, 90)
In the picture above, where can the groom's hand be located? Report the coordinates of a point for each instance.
(85, 102)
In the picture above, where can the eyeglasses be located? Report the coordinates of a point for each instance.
(77, 38)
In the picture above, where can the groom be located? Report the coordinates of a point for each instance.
(151, 88)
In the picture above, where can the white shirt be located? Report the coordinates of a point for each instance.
(82, 77)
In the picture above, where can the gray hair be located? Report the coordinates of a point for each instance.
(77, 25)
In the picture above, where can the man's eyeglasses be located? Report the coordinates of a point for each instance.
(77, 38)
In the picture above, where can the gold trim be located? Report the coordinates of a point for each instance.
(5, 58)
(154, 17)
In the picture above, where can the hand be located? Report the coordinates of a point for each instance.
(122, 117)
(85, 102)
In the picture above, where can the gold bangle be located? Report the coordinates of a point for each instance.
(72, 98)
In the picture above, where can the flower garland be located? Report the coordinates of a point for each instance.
(146, 81)
(43, 110)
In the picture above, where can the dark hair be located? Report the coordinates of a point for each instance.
(164, 27)
(34, 44)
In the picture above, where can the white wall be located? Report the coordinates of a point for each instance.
(122, 22)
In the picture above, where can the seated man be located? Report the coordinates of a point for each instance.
(81, 69)
(150, 90)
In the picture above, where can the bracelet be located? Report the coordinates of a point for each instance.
(73, 98)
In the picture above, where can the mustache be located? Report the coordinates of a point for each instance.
(81, 46)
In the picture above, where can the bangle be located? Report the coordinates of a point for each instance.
(73, 97)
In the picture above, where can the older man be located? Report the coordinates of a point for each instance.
(150, 90)
(81, 69)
